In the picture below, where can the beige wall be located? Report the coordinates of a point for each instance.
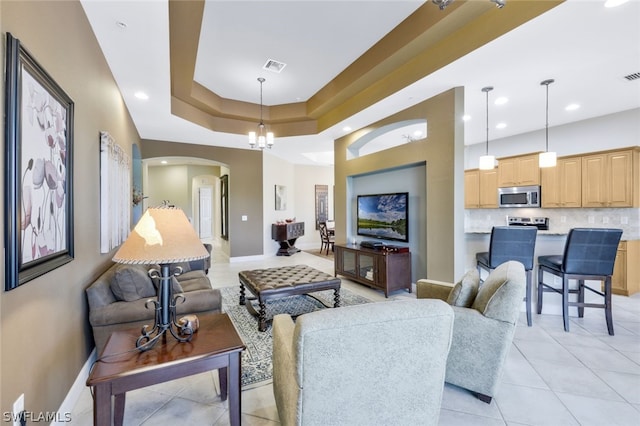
(442, 151)
(306, 179)
(245, 188)
(300, 181)
(45, 338)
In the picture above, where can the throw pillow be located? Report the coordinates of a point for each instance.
(186, 266)
(131, 282)
(501, 294)
(464, 292)
(175, 284)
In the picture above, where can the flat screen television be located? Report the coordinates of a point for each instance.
(384, 216)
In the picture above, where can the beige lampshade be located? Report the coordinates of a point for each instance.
(163, 235)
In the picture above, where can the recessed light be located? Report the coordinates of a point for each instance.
(163, 162)
(141, 95)
(121, 25)
(572, 107)
(501, 100)
(614, 3)
(466, 117)
(346, 129)
(501, 125)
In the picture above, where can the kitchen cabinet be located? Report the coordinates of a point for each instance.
(608, 179)
(561, 186)
(518, 171)
(472, 189)
(626, 271)
(481, 189)
(387, 269)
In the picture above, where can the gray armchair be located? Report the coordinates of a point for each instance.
(484, 325)
(374, 364)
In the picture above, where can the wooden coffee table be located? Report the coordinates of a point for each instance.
(121, 367)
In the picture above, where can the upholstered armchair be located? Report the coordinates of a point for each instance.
(484, 324)
(375, 364)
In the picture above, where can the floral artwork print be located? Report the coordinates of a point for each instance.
(44, 172)
(38, 170)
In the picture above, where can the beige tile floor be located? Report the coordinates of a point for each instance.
(584, 377)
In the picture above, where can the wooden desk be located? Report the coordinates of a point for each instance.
(121, 367)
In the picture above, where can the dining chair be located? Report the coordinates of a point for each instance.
(326, 240)
(511, 243)
(589, 254)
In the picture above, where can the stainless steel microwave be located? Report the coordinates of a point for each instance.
(519, 196)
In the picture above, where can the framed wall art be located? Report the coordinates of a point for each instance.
(116, 196)
(38, 169)
(322, 204)
(281, 197)
(224, 207)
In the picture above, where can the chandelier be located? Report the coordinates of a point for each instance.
(262, 138)
(444, 3)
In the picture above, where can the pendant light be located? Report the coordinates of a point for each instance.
(263, 138)
(487, 162)
(546, 158)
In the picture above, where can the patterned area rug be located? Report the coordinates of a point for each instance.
(256, 359)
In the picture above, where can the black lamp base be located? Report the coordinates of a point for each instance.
(165, 313)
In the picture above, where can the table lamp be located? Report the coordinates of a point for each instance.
(163, 236)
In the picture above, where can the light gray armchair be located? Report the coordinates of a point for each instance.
(373, 364)
(484, 325)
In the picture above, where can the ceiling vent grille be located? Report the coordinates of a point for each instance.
(274, 66)
(634, 76)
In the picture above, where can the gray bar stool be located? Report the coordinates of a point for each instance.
(511, 243)
(589, 254)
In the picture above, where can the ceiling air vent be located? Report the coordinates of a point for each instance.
(634, 76)
(274, 66)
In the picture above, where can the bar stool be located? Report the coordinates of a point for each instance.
(589, 254)
(511, 243)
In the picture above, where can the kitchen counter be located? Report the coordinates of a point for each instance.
(480, 221)
(540, 232)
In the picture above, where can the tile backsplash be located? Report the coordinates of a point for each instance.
(560, 220)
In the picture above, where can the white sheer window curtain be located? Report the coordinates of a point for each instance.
(115, 193)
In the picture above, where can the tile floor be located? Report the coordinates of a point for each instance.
(584, 377)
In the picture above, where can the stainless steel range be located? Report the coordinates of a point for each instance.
(542, 223)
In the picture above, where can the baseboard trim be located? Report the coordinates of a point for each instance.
(79, 386)
(246, 258)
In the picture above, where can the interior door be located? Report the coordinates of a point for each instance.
(206, 219)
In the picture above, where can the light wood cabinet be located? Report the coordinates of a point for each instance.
(626, 272)
(562, 184)
(489, 189)
(481, 189)
(472, 189)
(608, 179)
(518, 171)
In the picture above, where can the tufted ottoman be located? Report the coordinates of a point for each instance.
(274, 283)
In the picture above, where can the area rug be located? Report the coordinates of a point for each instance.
(256, 359)
(324, 255)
